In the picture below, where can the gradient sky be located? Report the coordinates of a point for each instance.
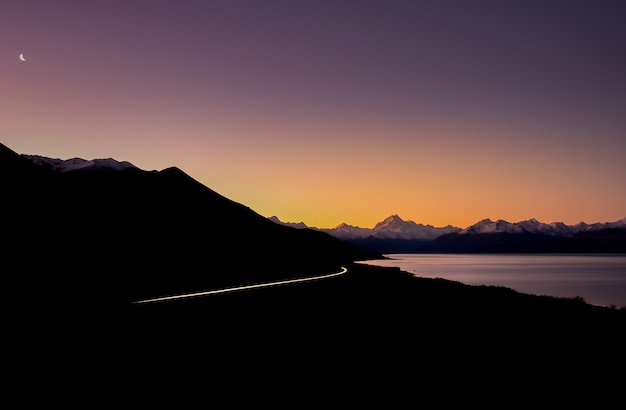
(443, 112)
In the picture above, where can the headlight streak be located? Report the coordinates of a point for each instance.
(237, 288)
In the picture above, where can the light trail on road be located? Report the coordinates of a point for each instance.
(238, 288)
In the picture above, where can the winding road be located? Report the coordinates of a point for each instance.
(237, 288)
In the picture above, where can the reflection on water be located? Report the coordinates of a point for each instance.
(600, 279)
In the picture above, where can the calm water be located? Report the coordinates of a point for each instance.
(599, 279)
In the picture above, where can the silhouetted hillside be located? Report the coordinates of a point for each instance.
(384, 245)
(601, 240)
(81, 245)
(118, 235)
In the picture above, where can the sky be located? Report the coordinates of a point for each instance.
(342, 111)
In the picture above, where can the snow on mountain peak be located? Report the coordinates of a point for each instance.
(73, 164)
(394, 227)
(534, 226)
(111, 163)
(390, 222)
(489, 226)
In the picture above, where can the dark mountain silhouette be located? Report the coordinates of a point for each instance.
(117, 235)
(606, 240)
(79, 246)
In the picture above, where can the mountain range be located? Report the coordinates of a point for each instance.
(76, 223)
(394, 234)
(392, 227)
(82, 239)
(390, 235)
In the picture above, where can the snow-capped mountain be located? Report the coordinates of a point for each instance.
(536, 227)
(73, 164)
(532, 236)
(397, 235)
(393, 227)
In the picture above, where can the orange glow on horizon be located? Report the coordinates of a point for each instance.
(329, 121)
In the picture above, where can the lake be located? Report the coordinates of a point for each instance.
(600, 279)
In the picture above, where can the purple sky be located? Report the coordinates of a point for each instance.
(335, 111)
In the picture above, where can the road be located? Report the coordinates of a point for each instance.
(238, 288)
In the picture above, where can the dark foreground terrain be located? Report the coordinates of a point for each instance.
(372, 311)
(79, 247)
(377, 299)
(382, 335)
(373, 334)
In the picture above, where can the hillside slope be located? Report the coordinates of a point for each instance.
(116, 235)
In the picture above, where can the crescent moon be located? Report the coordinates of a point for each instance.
(22, 57)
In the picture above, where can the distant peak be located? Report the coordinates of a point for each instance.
(393, 222)
(393, 218)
